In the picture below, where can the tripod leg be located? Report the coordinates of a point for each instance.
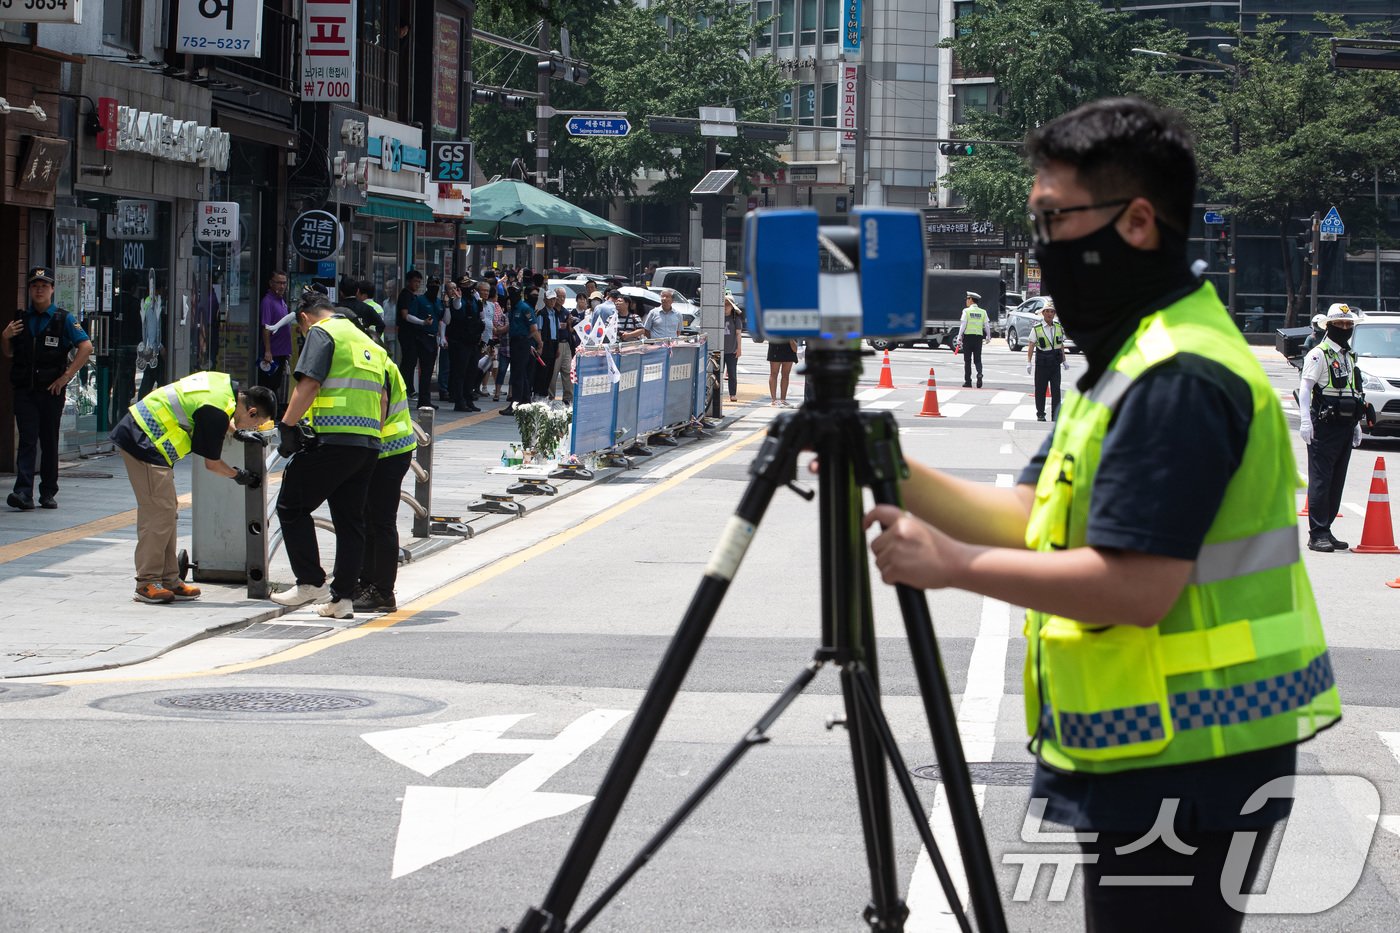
(869, 695)
(758, 735)
(847, 624)
(886, 465)
(775, 465)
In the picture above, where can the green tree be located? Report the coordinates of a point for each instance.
(1048, 57)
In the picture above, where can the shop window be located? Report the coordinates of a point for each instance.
(786, 22)
(763, 14)
(121, 23)
(785, 105)
(809, 22)
(807, 105)
(831, 22)
(830, 104)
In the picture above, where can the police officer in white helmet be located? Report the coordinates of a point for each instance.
(1330, 407)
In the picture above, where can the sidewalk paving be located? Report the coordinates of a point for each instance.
(66, 576)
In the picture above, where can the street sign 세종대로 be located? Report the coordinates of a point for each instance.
(598, 126)
(1214, 217)
(1332, 224)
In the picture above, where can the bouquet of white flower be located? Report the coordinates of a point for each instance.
(554, 429)
(530, 418)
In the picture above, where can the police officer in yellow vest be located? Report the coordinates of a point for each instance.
(1047, 352)
(1175, 655)
(1330, 410)
(397, 442)
(972, 330)
(191, 415)
(342, 391)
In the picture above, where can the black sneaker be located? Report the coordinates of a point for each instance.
(1337, 545)
(979, 382)
(17, 501)
(1040, 416)
(47, 502)
(1320, 544)
(374, 601)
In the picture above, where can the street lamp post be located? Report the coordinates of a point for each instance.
(1234, 71)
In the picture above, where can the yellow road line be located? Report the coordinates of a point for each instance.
(30, 546)
(470, 581)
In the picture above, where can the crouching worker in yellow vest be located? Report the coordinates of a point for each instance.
(189, 416)
(380, 571)
(1175, 656)
(342, 390)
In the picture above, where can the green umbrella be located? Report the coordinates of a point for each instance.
(512, 208)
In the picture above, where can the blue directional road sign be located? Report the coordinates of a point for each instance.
(1214, 217)
(1332, 224)
(598, 126)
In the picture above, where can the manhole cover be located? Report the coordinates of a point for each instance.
(995, 773)
(265, 701)
(269, 704)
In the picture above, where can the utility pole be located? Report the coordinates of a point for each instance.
(542, 136)
(1314, 254)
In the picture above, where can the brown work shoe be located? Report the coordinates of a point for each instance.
(153, 593)
(182, 590)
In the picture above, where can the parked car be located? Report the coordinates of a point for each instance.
(647, 298)
(1017, 324)
(684, 279)
(1376, 341)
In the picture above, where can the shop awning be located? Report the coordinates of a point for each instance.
(396, 209)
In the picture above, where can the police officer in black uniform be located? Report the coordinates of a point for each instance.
(1330, 411)
(1046, 350)
(39, 341)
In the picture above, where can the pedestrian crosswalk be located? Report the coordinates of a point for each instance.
(994, 402)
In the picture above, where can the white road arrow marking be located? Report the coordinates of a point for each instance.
(1390, 823)
(440, 822)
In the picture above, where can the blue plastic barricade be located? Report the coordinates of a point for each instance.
(629, 364)
(702, 377)
(593, 404)
(651, 391)
(680, 384)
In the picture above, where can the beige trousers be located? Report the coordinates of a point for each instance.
(157, 511)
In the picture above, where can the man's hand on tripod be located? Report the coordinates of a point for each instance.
(913, 552)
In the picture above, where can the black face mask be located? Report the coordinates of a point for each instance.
(1341, 336)
(1102, 286)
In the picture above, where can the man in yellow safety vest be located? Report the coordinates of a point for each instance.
(1175, 656)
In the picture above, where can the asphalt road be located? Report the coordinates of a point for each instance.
(429, 773)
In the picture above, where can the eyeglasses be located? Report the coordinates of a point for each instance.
(1040, 220)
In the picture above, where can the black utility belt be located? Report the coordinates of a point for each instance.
(1052, 351)
(1338, 409)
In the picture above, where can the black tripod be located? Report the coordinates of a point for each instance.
(856, 449)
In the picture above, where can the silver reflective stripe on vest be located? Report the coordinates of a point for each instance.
(368, 385)
(396, 408)
(1226, 560)
(1110, 389)
(177, 409)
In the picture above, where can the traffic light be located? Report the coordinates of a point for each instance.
(952, 149)
(556, 69)
(500, 99)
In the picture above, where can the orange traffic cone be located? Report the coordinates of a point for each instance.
(1377, 536)
(886, 377)
(1393, 584)
(931, 398)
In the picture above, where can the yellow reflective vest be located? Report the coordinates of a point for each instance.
(976, 321)
(348, 401)
(167, 414)
(1051, 339)
(1239, 663)
(397, 436)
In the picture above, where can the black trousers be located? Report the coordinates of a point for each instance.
(1328, 457)
(731, 370)
(338, 475)
(38, 413)
(380, 568)
(1169, 908)
(522, 369)
(972, 353)
(462, 373)
(541, 375)
(1047, 373)
(274, 379)
(416, 359)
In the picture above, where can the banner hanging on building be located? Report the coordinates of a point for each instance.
(447, 72)
(328, 51)
(850, 25)
(850, 84)
(220, 27)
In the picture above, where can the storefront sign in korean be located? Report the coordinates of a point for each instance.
(107, 116)
(316, 235)
(43, 11)
(219, 27)
(328, 51)
(134, 220)
(216, 221)
(447, 72)
(162, 136)
(850, 25)
(850, 83)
